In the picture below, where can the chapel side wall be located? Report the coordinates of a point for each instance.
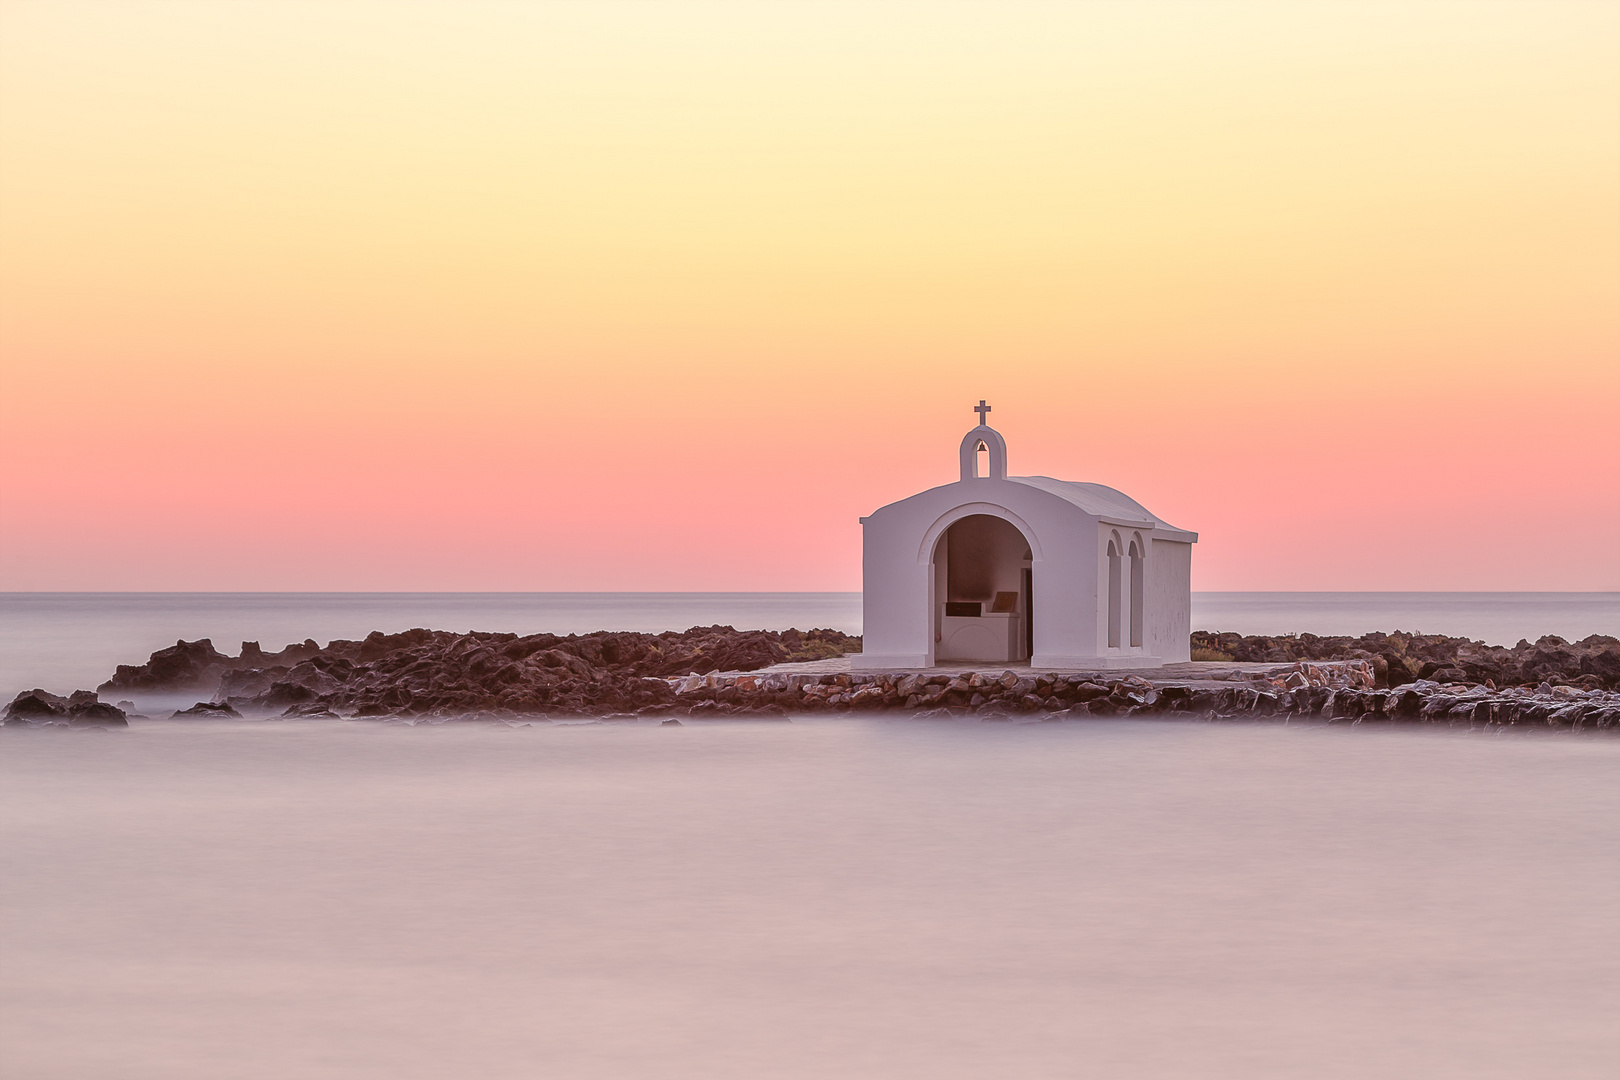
(1168, 601)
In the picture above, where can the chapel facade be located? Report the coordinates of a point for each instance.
(1007, 569)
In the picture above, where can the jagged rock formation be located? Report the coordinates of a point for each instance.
(1402, 658)
(197, 665)
(438, 673)
(207, 710)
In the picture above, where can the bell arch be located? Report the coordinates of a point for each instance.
(992, 441)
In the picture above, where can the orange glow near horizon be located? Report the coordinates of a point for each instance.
(664, 296)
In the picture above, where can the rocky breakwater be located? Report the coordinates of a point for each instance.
(439, 674)
(1400, 658)
(1335, 692)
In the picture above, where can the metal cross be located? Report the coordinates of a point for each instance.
(981, 408)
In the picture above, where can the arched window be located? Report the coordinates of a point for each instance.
(1115, 589)
(1137, 581)
(981, 460)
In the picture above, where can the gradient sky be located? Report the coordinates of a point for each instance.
(665, 296)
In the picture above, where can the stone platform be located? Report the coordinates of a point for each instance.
(833, 683)
(1192, 672)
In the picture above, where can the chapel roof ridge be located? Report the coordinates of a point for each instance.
(1102, 501)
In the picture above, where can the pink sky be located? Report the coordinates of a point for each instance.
(432, 297)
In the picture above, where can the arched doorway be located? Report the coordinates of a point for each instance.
(983, 592)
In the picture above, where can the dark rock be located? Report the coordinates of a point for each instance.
(186, 665)
(1396, 673)
(207, 709)
(1348, 704)
(1090, 691)
(1380, 668)
(244, 685)
(313, 710)
(96, 714)
(283, 694)
(1407, 704)
(1175, 698)
(379, 644)
(80, 709)
(36, 705)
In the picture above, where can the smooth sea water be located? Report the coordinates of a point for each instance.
(822, 898)
(67, 641)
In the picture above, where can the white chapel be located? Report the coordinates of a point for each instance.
(1003, 569)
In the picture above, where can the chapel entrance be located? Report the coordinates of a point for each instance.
(983, 585)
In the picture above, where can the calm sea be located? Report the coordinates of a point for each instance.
(67, 641)
(822, 898)
(843, 897)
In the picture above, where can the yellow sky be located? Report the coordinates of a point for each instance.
(796, 221)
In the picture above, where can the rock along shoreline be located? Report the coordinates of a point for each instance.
(717, 671)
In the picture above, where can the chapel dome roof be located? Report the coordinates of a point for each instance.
(1102, 501)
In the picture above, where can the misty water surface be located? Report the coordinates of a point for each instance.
(832, 897)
